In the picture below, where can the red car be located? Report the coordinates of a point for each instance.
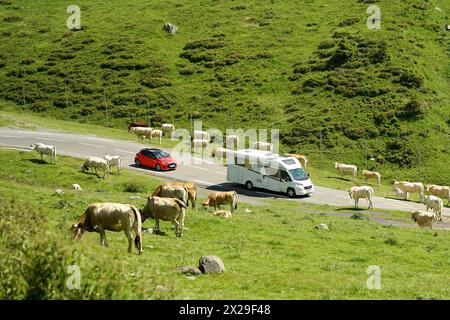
(155, 158)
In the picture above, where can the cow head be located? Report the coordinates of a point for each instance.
(77, 230)
(413, 216)
(33, 146)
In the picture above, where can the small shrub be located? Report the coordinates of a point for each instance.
(12, 19)
(134, 187)
(391, 241)
(151, 82)
(359, 216)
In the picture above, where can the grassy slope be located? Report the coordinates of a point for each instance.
(258, 46)
(271, 253)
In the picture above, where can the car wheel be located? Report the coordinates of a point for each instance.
(290, 192)
(158, 167)
(137, 163)
(249, 185)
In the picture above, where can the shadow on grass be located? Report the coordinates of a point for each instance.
(340, 178)
(350, 209)
(255, 193)
(39, 161)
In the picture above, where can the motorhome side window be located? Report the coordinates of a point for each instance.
(284, 176)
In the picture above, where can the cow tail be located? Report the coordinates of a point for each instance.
(235, 200)
(157, 192)
(180, 203)
(137, 227)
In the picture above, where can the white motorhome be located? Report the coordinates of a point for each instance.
(266, 170)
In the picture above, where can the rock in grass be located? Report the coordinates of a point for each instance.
(189, 270)
(211, 264)
(321, 226)
(59, 191)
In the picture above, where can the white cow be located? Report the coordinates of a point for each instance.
(141, 132)
(264, 146)
(371, 175)
(114, 161)
(407, 187)
(439, 191)
(349, 169)
(156, 133)
(168, 128)
(232, 140)
(45, 149)
(96, 163)
(200, 135)
(434, 203)
(199, 143)
(363, 192)
(220, 153)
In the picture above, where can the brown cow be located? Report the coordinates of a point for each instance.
(166, 209)
(99, 217)
(215, 199)
(138, 124)
(190, 186)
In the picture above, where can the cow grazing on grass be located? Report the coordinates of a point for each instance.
(424, 219)
(166, 209)
(371, 175)
(346, 169)
(168, 129)
(363, 192)
(408, 187)
(215, 199)
(100, 217)
(439, 191)
(114, 161)
(190, 186)
(155, 134)
(167, 191)
(434, 203)
(200, 135)
(141, 132)
(95, 164)
(45, 149)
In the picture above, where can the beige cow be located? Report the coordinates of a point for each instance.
(166, 209)
(371, 175)
(424, 219)
(408, 187)
(100, 217)
(215, 199)
(439, 191)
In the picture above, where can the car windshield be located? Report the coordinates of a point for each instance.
(298, 174)
(160, 154)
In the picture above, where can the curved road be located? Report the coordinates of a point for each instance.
(209, 175)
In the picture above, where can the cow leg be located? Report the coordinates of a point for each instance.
(181, 218)
(370, 204)
(138, 239)
(157, 224)
(103, 241)
(130, 239)
(42, 156)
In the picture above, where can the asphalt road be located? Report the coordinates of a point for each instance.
(209, 175)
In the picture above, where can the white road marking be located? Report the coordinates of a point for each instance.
(203, 182)
(48, 139)
(98, 139)
(5, 136)
(189, 165)
(34, 132)
(125, 151)
(91, 145)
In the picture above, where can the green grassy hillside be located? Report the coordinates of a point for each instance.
(270, 252)
(304, 67)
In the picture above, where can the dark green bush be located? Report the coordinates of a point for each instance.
(134, 187)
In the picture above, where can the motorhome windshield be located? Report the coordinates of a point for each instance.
(298, 174)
